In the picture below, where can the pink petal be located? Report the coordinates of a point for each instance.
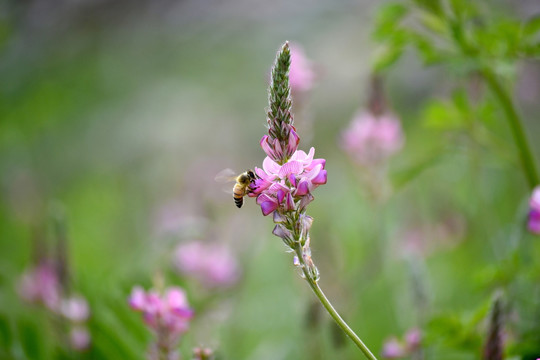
(316, 162)
(303, 187)
(294, 139)
(292, 180)
(277, 149)
(176, 298)
(261, 173)
(270, 166)
(264, 197)
(289, 202)
(260, 186)
(280, 196)
(268, 206)
(321, 178)
(137, 299)
(291, 167)
(535, 199)
(311, 174)
(282, 232)
(534, 222)
(305, 200)
(266, 147)
(299, 155)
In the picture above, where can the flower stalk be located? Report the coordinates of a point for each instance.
(313, 283)
(285, 184)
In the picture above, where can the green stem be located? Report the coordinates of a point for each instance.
(328, 306)
(525, 152)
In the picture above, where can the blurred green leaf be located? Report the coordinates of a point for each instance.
(443, 115)
(388, 19)
(531, 27)
(426, 49)
(434, 6)
(433, 22)
(387, 56)
(404, 176)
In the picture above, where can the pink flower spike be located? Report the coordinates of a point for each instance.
(413, 339)
(79, 337)
(393, 349)
(371, 139)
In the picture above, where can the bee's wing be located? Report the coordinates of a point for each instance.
(225, 176)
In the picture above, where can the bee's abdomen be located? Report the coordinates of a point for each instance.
(238, 195)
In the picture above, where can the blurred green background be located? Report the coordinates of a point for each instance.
(117, 110)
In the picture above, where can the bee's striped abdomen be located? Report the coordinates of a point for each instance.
(238, 195)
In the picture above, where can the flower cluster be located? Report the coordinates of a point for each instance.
(288, 187)
(394, 348)
(41, 285)
(213, 265)
(533, 223)
(167, 314)
(169, 310)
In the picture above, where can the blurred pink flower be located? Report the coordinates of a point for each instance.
(301, 74)
(393, 349)
(41, 285)
(75, 309)
(201, 353)
(533, 223)
(168, 312)
(79, 337)
(212, 264)
(371, 139)
(413, 339)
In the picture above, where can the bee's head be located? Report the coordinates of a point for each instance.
(244, 179)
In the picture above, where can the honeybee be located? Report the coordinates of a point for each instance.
(243, 185)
